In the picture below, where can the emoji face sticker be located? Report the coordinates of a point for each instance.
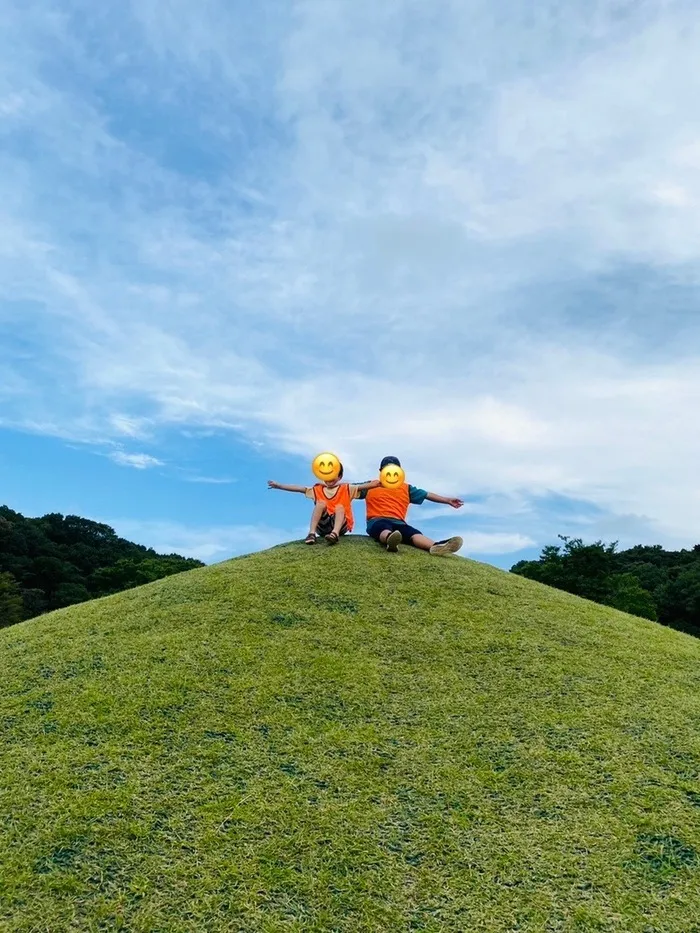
(326, 467)
(392, 476)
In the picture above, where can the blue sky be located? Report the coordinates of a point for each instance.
(233, 235)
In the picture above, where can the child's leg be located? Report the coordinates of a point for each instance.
(339, 520)
(387, 534)
(339, 525)
(416, 538)
(438, 548)
(383, 535)
(316, 516)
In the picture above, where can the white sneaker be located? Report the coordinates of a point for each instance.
(451, 546)
(393, 541)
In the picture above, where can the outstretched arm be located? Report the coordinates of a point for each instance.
(370, 484)
(455, 503)
(285, 488)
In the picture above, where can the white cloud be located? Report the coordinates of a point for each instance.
(476, 542)
(129, 426)
(374, 235)
(216, 543)
(137, 461)
(614, 434)
(672, 195)
(208, 544)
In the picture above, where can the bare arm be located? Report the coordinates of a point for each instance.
(455, 503)
(286, 488)
(371, 484)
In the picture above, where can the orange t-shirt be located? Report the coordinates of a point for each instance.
(342, 495)
(388, 503)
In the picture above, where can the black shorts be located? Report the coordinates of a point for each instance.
(387, 524)
(326, 523)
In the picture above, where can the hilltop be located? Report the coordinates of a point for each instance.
(339, 739)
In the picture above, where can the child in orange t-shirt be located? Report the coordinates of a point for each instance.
(332, 513)
(387, 510)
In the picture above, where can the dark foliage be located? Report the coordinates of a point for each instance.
(644, 580)
(55, 561)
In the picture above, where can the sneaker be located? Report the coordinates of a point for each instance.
(450, 546)
(393, 541)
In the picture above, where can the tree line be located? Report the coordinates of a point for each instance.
(644, 580)
(55, 561)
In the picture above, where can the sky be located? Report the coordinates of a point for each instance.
(234, 234)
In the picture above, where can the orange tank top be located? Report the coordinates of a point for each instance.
(342, 497)
(388, 503)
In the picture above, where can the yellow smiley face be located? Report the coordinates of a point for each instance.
(392, 476)
(326, 467)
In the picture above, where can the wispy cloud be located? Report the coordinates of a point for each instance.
(129, 426)
(476, 542)
(137, 461)
(472, 240)
(208, 544)
(216, 543)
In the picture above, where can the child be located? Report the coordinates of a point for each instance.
(387, 510)
(332, 512)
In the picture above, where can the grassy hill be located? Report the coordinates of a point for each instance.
(347, 740)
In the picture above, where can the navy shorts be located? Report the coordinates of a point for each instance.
(387, 524)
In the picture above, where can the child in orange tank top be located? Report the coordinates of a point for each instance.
(332, 513)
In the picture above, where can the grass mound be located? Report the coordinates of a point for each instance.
(339, 739)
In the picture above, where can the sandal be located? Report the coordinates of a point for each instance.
(332, 538)
(310, 538)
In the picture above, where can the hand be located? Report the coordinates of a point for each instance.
(455, 503)
(272, 484)
(374, 483)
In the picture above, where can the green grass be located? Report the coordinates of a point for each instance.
(347, 740)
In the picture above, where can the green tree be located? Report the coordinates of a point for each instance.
(628, 595)
(11, 604)
(582, 569)
(129, 573)
(68, 594)
(60, 560)
(679, 599)
(35, 603)
(644, 580)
